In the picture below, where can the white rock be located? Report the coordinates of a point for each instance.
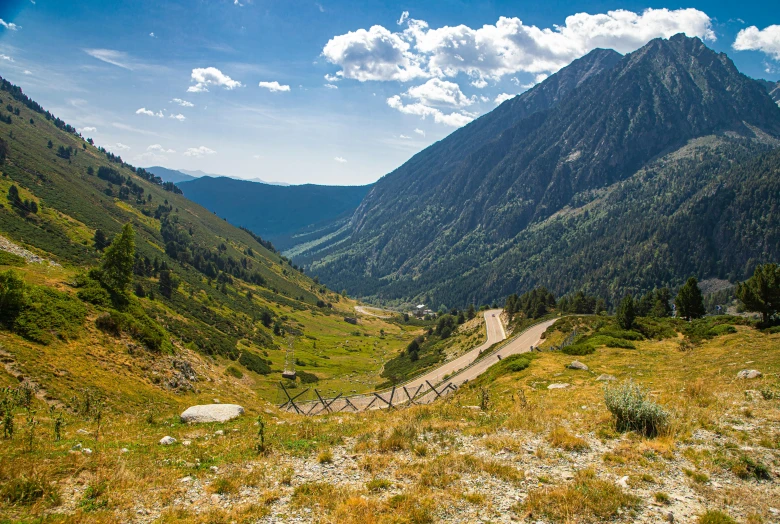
(219, 433)
(212, 413)
(578, 365)
(76, 447)
(558, 386)
(186, 442)
(605, 377)
(623, 482)
(749, 373)
(86, 451)
(124, 450)
(167, 441)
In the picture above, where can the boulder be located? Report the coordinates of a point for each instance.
(212, 413)
(558, 386)
(605, 377)
(749, 373)
(167, 441)
(577, 365)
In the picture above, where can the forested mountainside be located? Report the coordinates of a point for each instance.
(170, 175)
(180, 279)
(455, 231)
(278, 213)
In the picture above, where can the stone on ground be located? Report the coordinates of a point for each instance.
(167, 441)
(212, 413)
(605, 377)
(749, 373)
(577, 365)
(558, 386)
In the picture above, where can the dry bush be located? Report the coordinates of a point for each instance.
(561, 438)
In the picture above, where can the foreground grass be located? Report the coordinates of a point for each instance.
(532, 454)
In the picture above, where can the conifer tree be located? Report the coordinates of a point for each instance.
(689, 302)
(761, 292)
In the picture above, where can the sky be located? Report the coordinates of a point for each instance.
(328, 92)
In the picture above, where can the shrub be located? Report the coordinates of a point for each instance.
(9, 259)
(747, 468)
(22, 490)
(715, 517)
(50, 315)
(633, 412)
(138, 325)
(110, 322)
(560, 438)
(254, 363)
(579, 349)
(93, 293)
(233, 371)
(306, 377)
(376, 485)
(13, 297)
(325, 457)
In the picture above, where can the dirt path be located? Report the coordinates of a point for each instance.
(366, 311)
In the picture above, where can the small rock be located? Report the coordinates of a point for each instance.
(167, 441)
(76, 447)
(749, 373)
(185, 479)
(186, 442)
(219, 433)
(124, 450)
(605, 377)
(86, 451)
(215, 499)
(214, 469)
(623, 482)
(670, 517)
(82, 431)
(578, 365)
(558, 386)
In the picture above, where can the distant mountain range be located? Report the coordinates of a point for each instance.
(184, 175)
(285, 215)
(616, 174)
(773, 88)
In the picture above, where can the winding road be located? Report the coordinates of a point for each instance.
(457, 371)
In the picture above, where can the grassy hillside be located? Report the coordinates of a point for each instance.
(504, 448)
(234, 307)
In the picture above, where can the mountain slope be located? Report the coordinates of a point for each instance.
(773, 88)
(203, 294)
(428, 232)
(272, 211)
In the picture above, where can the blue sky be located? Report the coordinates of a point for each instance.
(328, 92)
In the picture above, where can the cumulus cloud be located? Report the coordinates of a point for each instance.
(374, 54)
(454, 119)
(179, 117)
(332, 78)
(507, 47)
(149, 112)
(198, 152)
(404, 137)
(87, 129)
(340, 160)
(182, 103)
(157, 148)
(274, 87)
(9, 25)
(766, 40)
(27, 72)
(435, 92)
(211, 76)
(420, 132)
(479, 83)
(331, 86)
(121, 147)
(6, 57)
(503, 97)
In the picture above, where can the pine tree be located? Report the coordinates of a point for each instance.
(689, 301)
(116, 271)
(761, 292)
(625, 313)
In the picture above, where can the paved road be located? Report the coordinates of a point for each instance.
(457, 369)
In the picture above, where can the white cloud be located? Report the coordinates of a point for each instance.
(319, 6)
(330, 86)
(455, 119)
(503, 97)
(9, 25)
(376, 54)
(332, 78)
(480, 83)
(157, 148)
(152, 35)
(211, 76)
(435, 91)
(507, 47)
(198, 152)
(182, 103)
(404, 137)
(274, 87)
(87, 130)
(117, 58)
(340, 160)
(27, 72)
(6, 57)
(148, 112)
(179, 117)
(420, 132)
(766, 40)
(404, 18)
(121, 147)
